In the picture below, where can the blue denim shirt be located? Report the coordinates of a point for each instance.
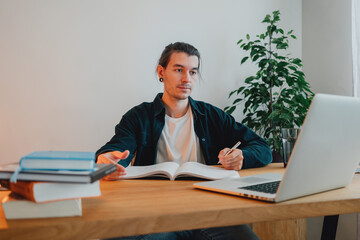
(140, 128)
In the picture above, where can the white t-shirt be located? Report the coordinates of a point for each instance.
(178, 141)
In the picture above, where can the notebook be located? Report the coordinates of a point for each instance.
(325, 156)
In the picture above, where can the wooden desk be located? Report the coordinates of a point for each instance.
(134, 207)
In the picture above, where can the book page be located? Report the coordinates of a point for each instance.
(165, 169)
(194, 169)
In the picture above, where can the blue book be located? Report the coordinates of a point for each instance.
(58, 160)
(101, 170)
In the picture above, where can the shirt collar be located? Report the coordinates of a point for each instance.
(158, 105)
(195, 108)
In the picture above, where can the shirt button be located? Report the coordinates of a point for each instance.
(203, 139)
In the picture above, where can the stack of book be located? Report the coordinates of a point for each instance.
(51, 183)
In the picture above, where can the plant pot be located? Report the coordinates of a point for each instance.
(288, 138)
(276, 157)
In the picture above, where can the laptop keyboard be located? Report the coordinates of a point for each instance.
(270, 187)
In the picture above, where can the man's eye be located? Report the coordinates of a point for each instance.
(193, 72)
(178, 70)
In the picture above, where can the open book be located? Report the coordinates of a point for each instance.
(173, 170)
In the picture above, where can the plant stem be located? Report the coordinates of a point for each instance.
(270, 75)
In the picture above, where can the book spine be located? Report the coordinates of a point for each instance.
(25, 189)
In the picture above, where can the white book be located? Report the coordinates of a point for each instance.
(16, 207)
(173, 170)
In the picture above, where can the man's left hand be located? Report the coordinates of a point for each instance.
(233, 161)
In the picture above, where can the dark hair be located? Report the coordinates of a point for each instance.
(177, 47)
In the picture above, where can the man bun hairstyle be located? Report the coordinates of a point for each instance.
(177, 47)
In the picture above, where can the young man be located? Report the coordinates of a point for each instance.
(174, 127)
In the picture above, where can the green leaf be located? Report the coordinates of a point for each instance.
(277, 40)
(239, 41)
(231, 93)
(276, 13)
(247, 36)
(244, 60)
(282, 64)
(247, 104)
(256, 57)
(237, 101)
(263, 62)
(300, 73)
(231, 110)
(282, 46)
(267, 19)
(293, 36)
(296, 61)
(292, 68)
(249, 79)
(247, 47)
(240, 89)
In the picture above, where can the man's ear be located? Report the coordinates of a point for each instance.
(160, 71)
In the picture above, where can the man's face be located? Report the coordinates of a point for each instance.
(180, 75)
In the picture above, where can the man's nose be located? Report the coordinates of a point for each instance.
(186, 77)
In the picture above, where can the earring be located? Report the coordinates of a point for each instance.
(161, 79)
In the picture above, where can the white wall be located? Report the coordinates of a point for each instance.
(327, 53)
(69, 69)
(327, 59)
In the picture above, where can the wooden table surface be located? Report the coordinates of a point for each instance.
(133, 207)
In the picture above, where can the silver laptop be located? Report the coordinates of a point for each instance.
(325, 156)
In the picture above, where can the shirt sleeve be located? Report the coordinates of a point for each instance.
(256, 150)
(124, 138)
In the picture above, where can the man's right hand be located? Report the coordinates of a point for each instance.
(111, 157)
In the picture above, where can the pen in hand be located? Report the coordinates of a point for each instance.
(114, 162)
(119, 174)
(232, 149)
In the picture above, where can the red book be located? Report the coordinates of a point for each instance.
(52, 191)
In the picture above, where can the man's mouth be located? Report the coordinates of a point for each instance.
(185, 87)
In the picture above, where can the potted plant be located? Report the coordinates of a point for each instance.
(277, 96)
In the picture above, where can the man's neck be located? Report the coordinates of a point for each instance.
(175, 108)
